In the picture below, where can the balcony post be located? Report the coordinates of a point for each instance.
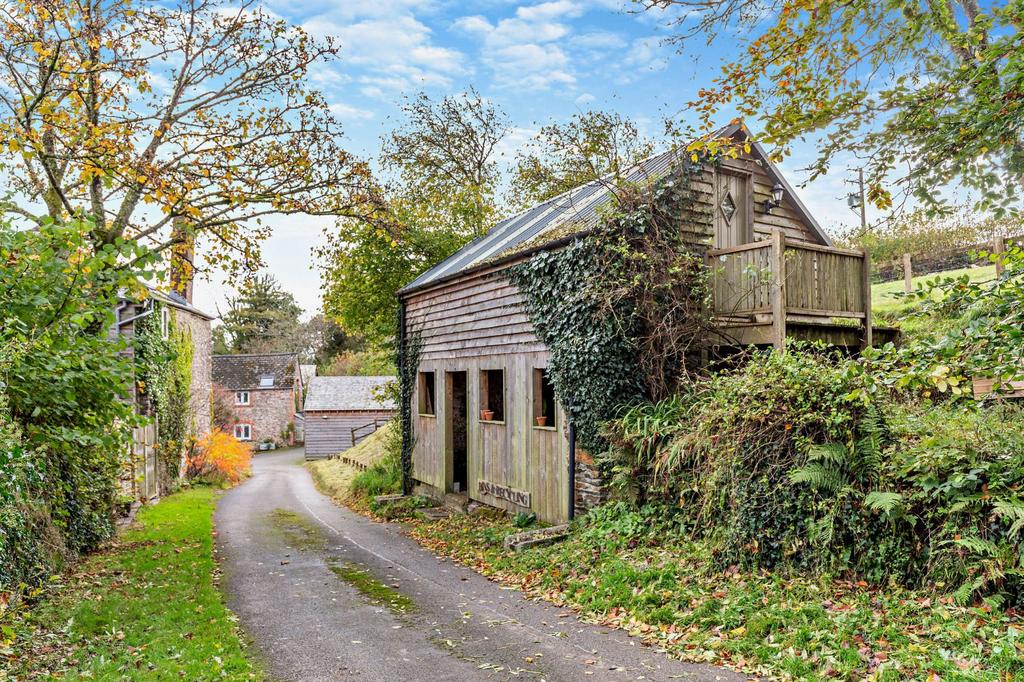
(867, 340)
(779, 289)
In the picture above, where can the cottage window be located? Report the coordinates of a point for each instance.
(241, 397)
(543, 399)
(427, 404)
(165, 322)
(492, 395)
(267, 381)
(243, 431)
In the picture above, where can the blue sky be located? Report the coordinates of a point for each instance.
(539, 61)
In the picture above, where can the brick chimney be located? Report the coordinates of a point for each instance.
(182, 255)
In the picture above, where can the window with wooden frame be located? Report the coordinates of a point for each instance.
(492, 395)
(427, 394)
(243, 431)
(543, 399)
(241, 397)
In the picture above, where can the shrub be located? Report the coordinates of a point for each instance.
(220, 458)
(63, 427)
(798, 460)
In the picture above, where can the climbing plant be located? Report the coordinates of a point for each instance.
(163, 360)
(622, 308)
(407, 359)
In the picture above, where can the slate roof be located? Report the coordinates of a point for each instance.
(346, 393)
(243, 372)
(576, 211)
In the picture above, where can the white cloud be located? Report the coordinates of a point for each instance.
(646, 54)
(584, 99)
(520, 49)
(558, 9)
(396, 47)
(598, 40)
(349, 112)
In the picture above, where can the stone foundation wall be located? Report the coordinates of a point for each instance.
(590, 491)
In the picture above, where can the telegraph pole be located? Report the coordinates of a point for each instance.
(857, 201)
(863, 201)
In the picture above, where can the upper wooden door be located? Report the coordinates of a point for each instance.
(733, 210)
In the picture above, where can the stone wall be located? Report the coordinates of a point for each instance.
(269, 413)
(202, 363)
(590, 490)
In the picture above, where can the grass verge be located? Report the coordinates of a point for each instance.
(790, 627)
(884, 297)
(147, 607)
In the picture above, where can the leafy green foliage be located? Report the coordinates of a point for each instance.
(967, 329)
(639, 569)
(263, 318)
(63, 426)
(445, 174)
(621, 309)
(591, 145)
(877, 79)
(524, 519)
(383, 476)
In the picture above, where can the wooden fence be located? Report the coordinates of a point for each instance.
(946, 260)
(146, 481)
(791, 280)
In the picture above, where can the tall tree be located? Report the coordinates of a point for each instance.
(591, 145)
(442, 193)
(445, 151)
(135, 113)
(263, 318)
(924, 94)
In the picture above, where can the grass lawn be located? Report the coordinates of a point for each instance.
(670, 593)
(883, 296)
(146, 608)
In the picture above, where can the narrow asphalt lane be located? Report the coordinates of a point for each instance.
(327, 594)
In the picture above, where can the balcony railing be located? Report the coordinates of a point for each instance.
(790, 282)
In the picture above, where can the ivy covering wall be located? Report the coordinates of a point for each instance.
(163, 370)
(621, 308)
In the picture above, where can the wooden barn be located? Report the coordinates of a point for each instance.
(340, 411)
(485, 423)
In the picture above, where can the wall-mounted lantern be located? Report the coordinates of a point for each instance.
(777, 191)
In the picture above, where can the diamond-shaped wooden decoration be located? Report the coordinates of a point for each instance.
(728, 207)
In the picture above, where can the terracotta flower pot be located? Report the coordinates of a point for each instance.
(487, 415)
(541, 421)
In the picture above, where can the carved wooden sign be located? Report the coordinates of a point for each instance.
(517, 497)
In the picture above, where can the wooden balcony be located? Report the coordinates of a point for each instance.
(767, 290)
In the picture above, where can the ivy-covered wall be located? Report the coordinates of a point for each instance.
(163, 354)
(622, 309)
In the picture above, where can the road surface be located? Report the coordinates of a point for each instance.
(327, 594)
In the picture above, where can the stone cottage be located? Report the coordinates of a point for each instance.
(264, 392)
(171, 310)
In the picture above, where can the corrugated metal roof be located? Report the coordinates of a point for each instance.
(579, 207)
(346, 393)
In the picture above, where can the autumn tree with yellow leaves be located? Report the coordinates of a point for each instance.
(141, 116)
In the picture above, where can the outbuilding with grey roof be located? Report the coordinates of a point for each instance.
(342, 410)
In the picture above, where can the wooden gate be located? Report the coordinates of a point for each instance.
(144, 460)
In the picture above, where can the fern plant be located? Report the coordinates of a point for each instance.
(838, 468)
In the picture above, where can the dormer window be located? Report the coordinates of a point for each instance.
(267, 381)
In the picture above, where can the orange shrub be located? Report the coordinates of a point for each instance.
(220, 457)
